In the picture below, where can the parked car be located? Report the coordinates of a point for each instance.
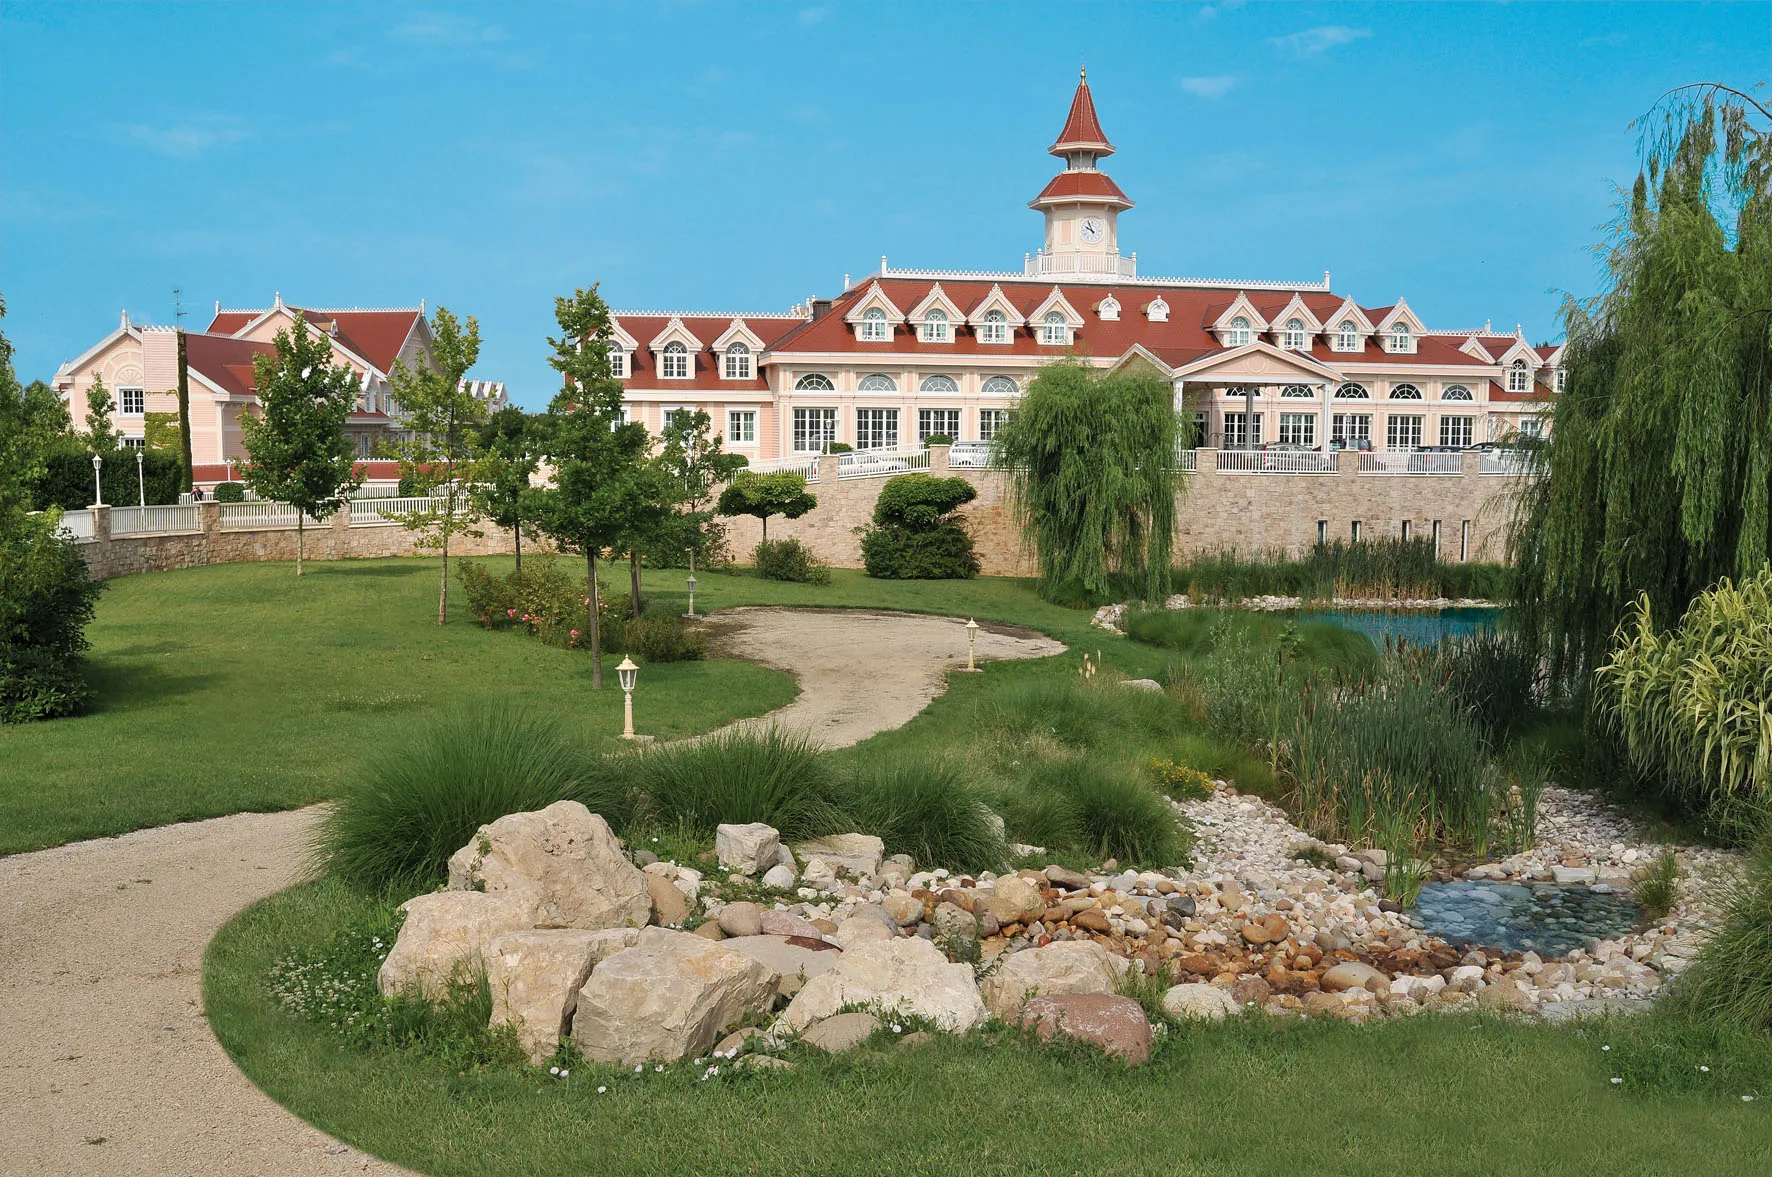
(1362, 444)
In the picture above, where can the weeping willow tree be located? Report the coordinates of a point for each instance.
(1654, 482)
(1092, 473)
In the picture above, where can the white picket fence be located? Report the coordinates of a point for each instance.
(380, 511)
(1410, 462)
(153, 520)
(881, 463)
(261, 516)
(77, 524)
(1275, 462)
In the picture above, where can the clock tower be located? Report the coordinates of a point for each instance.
(1082, 205)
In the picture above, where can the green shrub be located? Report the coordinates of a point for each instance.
(1656, 887)
(791, 560)
(938, 439)
(1494, 675)
(657, 637)
(928, 809)
(230, 492)
(915, 533)
(839, 447)
(1181, 782)
(1080, 715)
(1096, 807)
(67, 478)
(1730, 983)
(543, 598)
(422, 797)
(770, 776)
(47, 599)
(1388, 569)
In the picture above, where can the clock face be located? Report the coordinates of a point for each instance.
(1094, 229)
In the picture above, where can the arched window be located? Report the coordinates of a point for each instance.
(1292, 336)
(618, 362)
(1238, 335)
(738, 362)
(1405, 392)
(1401, 342)
(1298, 392)
(1352, 392)
(875, 382)
(940, 384)
(995, 328)
(874, 327)
(1242, 390)
(1054, 329)
(1518, 378)
(1000, 386)
(935, 327)
(1560, 375)
(1456, 392)
(814, 382)
(674, 363)
(1157, 311)
(1109, 309)
(1347, 337)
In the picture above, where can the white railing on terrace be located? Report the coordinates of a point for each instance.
(77, 524)
(973, 455)
(805, 465)
(260, 515)
(1504, 462)
(143, 520)
(1076, 262)
(1411, 462)
(881, 463)
(1187, 461)
(377, 511)
(1275, 462)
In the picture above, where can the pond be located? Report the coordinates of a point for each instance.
(1546, 918)
(1418, 627)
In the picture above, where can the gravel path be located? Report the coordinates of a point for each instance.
(107, 1064)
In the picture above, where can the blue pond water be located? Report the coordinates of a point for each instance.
(1545, 918)
(1419, 627)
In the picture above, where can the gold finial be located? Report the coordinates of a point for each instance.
(1084, 71)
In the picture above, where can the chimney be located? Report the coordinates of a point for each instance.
(820, 308)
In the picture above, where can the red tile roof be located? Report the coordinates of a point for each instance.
(1082, 129)
(1092, 185)
(225, 361)
(704, 364)
(377, 336)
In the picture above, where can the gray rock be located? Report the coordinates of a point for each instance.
(1143, 684)
(859, 928)
(781, 876)
(788, 963)
(1573, 874)
(786, 923)
(859, 854)
(1068, 879)
(1351, 974)
(562, 861)
(669, 997)
(1182, 905)
(751, 848)
(1198, 1002)
(907, 974)
(843, 1032)
(742, 918)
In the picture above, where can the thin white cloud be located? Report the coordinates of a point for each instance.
(187, 140)
(442, 28)
(1318, 41)
(1209, 11)
(1214, 87)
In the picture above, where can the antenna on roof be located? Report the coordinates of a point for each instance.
(178, 307)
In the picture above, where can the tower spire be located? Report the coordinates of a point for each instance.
(1082, 130)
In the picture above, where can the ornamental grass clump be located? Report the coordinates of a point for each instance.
(1731, 980)
(1080, 715)
(419, 800)
(1096, 807)
(929, 809)
(770, 776)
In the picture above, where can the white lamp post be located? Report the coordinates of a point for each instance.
(627, 672)
(98, 487)
(971, 646)
(141, 485)
(691, 582)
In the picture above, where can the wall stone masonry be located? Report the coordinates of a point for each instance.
(1216, 511)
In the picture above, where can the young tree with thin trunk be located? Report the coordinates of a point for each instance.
(507, 443)
(760, 496)
(695, 461)
(296, 448)
(438, 457)
(595, 454)
(101, 434)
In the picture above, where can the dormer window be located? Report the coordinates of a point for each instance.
(874, 327)
(1292, 336)
(618, 362)
(1347, 337)
(1518, 378)
(1560, 375)
(995, 328)
(738, 362)
(1157, 311)
(1054, 330)
(1401, 342)
(1238, 335)
(1109, 310)
(673, 362)
(935, 327)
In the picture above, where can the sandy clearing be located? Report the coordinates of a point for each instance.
(107, 1064)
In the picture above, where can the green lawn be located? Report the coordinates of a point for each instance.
(238, 687)
(1451, 1097)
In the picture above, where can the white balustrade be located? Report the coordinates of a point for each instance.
(378, 511)
(1411, 462)
(805, 465)
(973, 455)
(1276, 462)
(77, 525)
(880, 463)
(1516, 462)
(156, 519)
(260, 516)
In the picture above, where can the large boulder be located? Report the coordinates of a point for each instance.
(790, 961)
(1015, 900)
(668, 997)
(748, 849)
(444, 938)
(1352, 974)
(1066, 966)
(1206, 1003)
(563, 861)
(859, 854)
(669, 907)
(1116, 1024)
(534, 977)
(907, 974)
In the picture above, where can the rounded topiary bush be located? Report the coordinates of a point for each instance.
(916, 534)
(230, 492)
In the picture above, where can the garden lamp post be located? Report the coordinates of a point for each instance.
(98, 487)
(691, 583)
(971, 646)
(141, 485)
(627, 672)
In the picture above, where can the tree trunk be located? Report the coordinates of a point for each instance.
(443, 586)
(634, 584)
(517, 536)
(299, 520)
(594, 608)
(765, 519)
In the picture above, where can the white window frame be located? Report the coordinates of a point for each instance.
(1234, 430)
(1350, 427)
(935, 328)
(874, 327)
(927, 426)
(1401, 341)
(1342, 393)
(1458, 430)
(1347, 337)
(939, 384)
(810, 440)
(673, 362)
(989, 421)
(1402, 431)
(1518, 378)
(995, 328)
(1293, 337)
(995, 386)
(1298, 429)
(128, 392)
(666, 412)
(1560, 377)
(1397, 392)
(815, 382)
(1298, 392)
(1238, 334)
(1532, 425)
(618, 362)
(141, 443)
(1456, 392)
(876, 429)
(741, 426)
(1055, 329)
(1109, 310)
(876, 382)
(741, 369)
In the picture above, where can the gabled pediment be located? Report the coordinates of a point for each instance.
(1258, 363)
(996, 300)
(1240, 307)
(1402, 312)
(875, 298)
(675, 332)
(1473, 347)
(1297, 309)
(937, 300)
(1349, 311)
(738, 332)
(619, 334)
(1056, 301)
(1138, 358)
(1520, 351)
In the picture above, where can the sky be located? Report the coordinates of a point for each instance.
(744, 157)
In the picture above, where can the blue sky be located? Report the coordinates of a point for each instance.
(728, 156)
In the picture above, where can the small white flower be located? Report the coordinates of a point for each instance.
(1747, 1099)
(1705, 1069)
(1605, 1048)
(897, 1029)
(602, 1090)
(659, 1069)
(655, 839)
(639, 1068)
(698, 1062)
(1616, 1080)
(563, 1074)
(553, 1070)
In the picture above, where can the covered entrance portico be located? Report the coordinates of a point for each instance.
(1258, 395)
